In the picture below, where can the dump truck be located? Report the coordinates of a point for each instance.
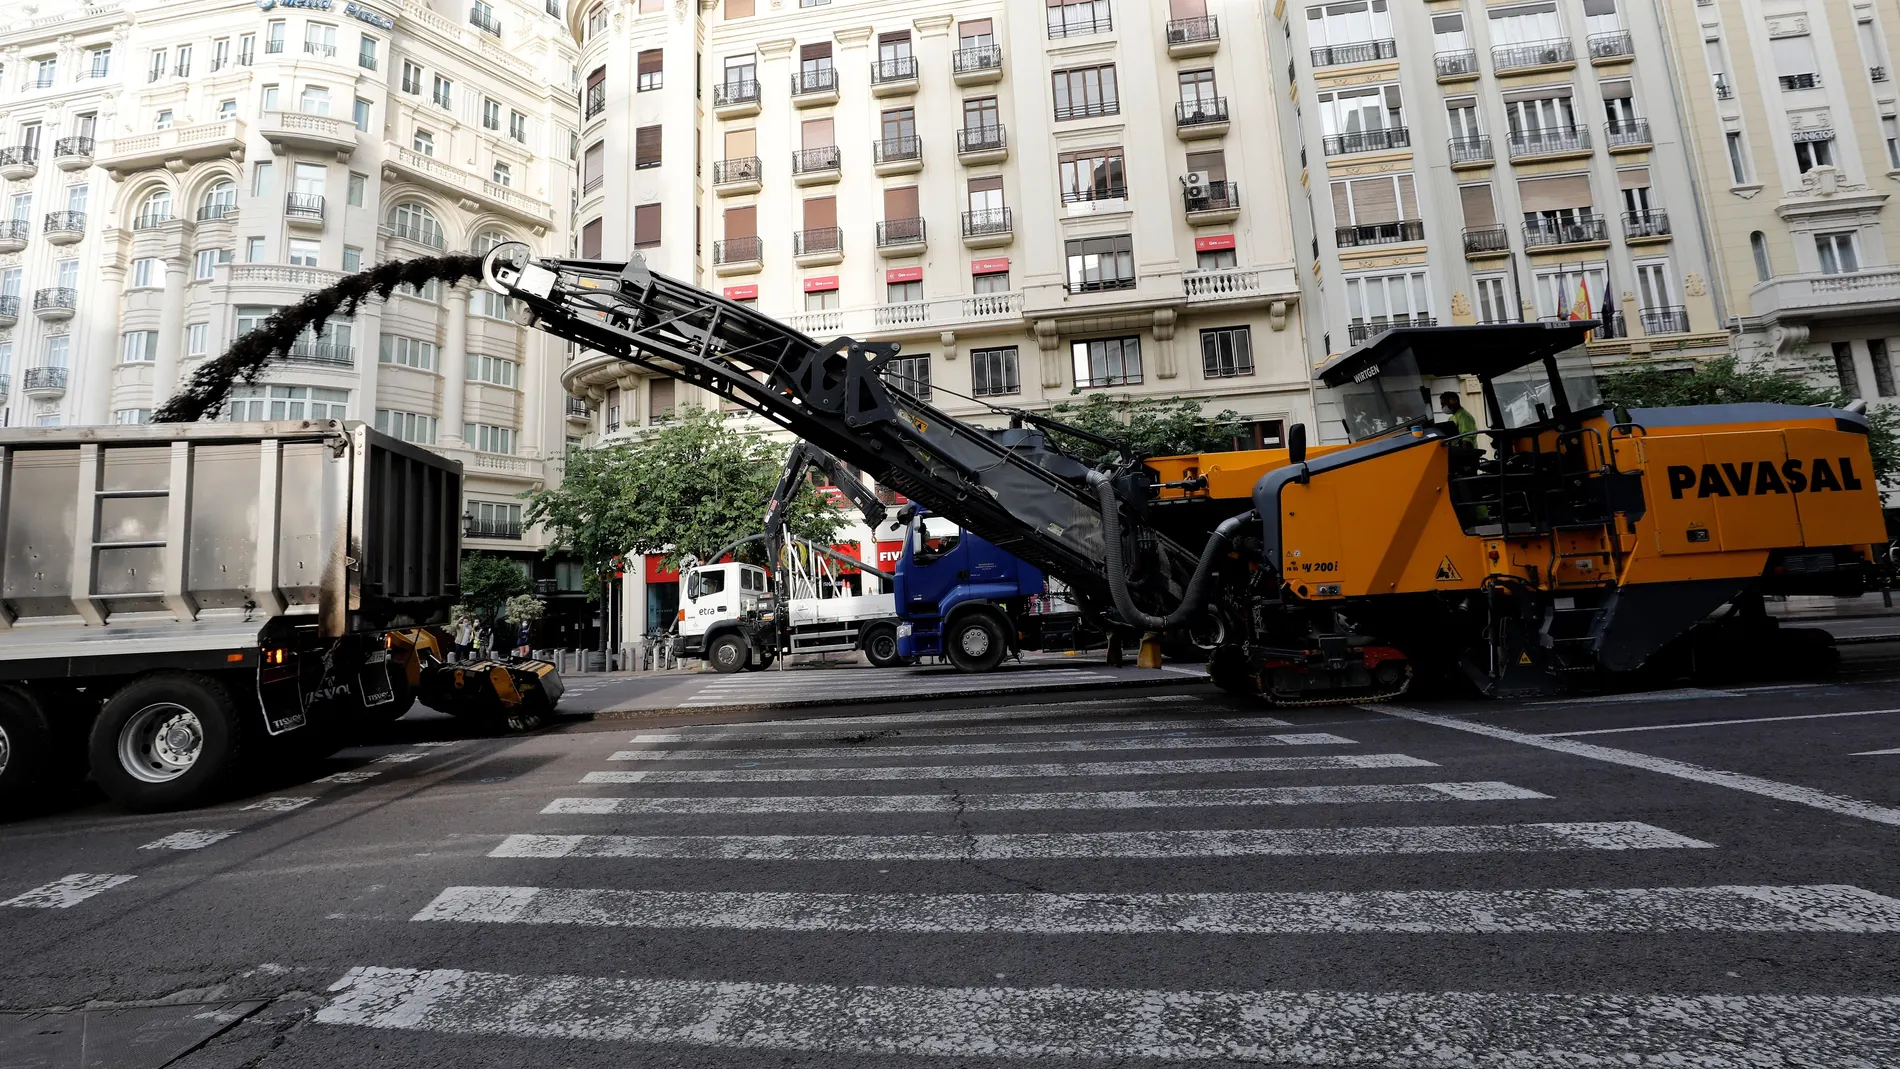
(1563, 543)
(181, 603)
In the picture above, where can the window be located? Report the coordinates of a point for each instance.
(146, 272)
(352, 259)
(1368, 211)
(444, 92)
(646, 147)
(518, 126)
(366, 52)
(424, 142)
(910, 374)
(594, 164)
(903, 292)
(1375, 302)
(1570, 290)
(157, 70)
(488, 304)
(260, 178)
(493, 519)
(411, 77)
(1226, 352)
(269, 98)
(164, 120)
(253, 250)
(360, 113)
(66, 274)
(652, 74)
(1105, 263)
(407, 352)
(315, 100)
(1844, 368)
(1736, 161)
(1215, 260)
(502, 174)
(353, 191)
(590, 240)
(183, 68)
(303, 252)
(491, 114)
(1096, 174)
(1654, 294)
(247, 49)
(486, 241)
(1086, 91)
(738, 9)
(319, 39)
(646, 226)
(140, 347)
(1890, 130)
(1074, 18)
(274, 37)
(1758, 244)
(1355, 22)
(1883, 366)
(1493, 306)
(1795, 66)
(54, 352)
(1811, 151)
(1107, 362)
(204, 265)
(131, 415)
(994, 282)
(408, 426)
(485, 438)
(995, 372)
(99, 61)
(821, 301)
(251, 403)
(415, 222)
(596, 20)
(1838, 252)
(227, 109)
(659, 400)
(491, 369)
(198, 339)
(1525, 24)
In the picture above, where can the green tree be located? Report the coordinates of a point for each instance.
(684, 488)
(1152, 426)
(1725, 381)
(489, 581)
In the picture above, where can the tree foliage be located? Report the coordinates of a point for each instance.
(489, 581)
(683, 488)
(1152, 426)
(1725, 381)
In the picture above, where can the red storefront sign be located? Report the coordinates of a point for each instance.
(887, 554)
(995, 265)
(849, 549)
(1214, 242)
(904, 274)
(658, 574)
(742, 293)
(821, 285)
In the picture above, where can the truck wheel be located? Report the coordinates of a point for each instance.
(728, 654)
(165, 741)
(975, 643)
(26, 748)
(880, 646)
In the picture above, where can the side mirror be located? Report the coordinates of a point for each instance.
(1296, 444)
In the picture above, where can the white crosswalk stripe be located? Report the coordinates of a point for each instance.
(816, 753)
(1080, 728)
(67, 891)
(189, 840)
(1203, 766)
(1134, 707)
(792, 686)
(1060, 800)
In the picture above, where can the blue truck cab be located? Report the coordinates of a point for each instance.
(959, 596)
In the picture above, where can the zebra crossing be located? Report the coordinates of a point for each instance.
(773, 687)
(613, 824)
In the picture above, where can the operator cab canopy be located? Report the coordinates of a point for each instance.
(1531, 372)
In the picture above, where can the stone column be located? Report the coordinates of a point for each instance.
(102, 349)
(171, 329)
(368, 341)
(454, 367)
(532, 378)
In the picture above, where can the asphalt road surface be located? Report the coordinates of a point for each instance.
(1134, 877)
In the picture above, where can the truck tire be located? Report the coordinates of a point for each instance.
(165, 741)
(880, 646)
(975, 643)
(26, 749)
(728, 653)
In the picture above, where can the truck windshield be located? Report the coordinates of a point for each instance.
(704, 583)
(1384, 398)
(1525, 396)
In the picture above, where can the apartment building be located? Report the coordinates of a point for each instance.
(176, 171)
(1794, 104)
(1471, 162)
(1038, 199)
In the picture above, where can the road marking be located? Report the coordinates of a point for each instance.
(947, 803)
(1783, 792)
(280, 804)
(955, 732)
(1164, 742)
(957, 772)
(1451, 1030)
(356, 776)
(1874, 753)
(1714, 723)
(398, 758)
(438, 745)
(976, 715)
(1680, 694)
(1436, 839)
(189, 840)
(1825, 908)
(67, 891)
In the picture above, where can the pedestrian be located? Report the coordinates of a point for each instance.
(523, 640)
(464, 637)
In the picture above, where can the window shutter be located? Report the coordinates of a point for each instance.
(742, 223)
(1342, 204)
(900, 203)
(742, 143)
(594, 163)
(984, 185)
(1187, 9)
(1479, 208)
(816, 133)
(1617, 90)
(1793, 55)
(821, 212)
(974, 28)
(659, 398)
(1633, 178)
(1554, 194)
(590, 240)
(646, 146)
(738, 9)
(1374, 200)
(646, 224)
(595, 77)
(897, 37)
(650, 61)
(808, 53)
(1214, 163)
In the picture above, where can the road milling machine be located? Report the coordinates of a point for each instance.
(1565, 541)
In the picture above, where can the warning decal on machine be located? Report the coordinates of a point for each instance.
(1447, 571)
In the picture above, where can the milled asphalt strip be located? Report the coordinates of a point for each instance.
(1199, 767)
(1474, 838)
(1454, 1030)
(1489, 791)
(1826, 908)
(653, 738)
(1715, 723)
(1165, 742)
(1781, 792)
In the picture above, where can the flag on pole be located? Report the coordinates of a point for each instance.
(1581, 309)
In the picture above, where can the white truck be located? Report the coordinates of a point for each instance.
(730, 616)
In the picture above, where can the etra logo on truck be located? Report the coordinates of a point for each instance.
(1762, 477)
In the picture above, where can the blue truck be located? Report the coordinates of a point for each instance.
(963, 598)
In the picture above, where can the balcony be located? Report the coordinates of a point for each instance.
(1539, 56)
(1607, 327)
(1486, 241)
(289, 131)
(988, 228)
(64, 228)
(73, 153)
(595, 100)
(1874, 292)
(55, 303)
(1391, 137)
(813, 88)
(1670, 319)
(1615, 47)
(404, 162)
(982, 144)
(735, 256)
(44, 383)
(1356, 52)
(1468, 153)
(1360, 330)
(900, 237)
(977, 65)
(1393, 233)
(176, 148)
(1188, 38)
(1630, 135)
(304, 210)
(1079, 20)
(1554, 144)
(484, 21)
(151, 218)
(736, 99)
(293, 280)
(1225, 284)
(1582, 229)
(814, 166)
(818, 247)
(898, 155)
(19, 163)
(732, 177)
(13, 234)
(1219, 202)
(9, 309)
(929, 317)
(1200, 117)
(1646, 226)
(1460, 66)
(1089, 194)
(501, 530)
(321, 354)
(1791, 82)
(892, 77)
(577, 409)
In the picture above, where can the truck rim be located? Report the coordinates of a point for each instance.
(161, 742)
(884, 646)
(975, 640)
(728, 653)
(6, 750)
